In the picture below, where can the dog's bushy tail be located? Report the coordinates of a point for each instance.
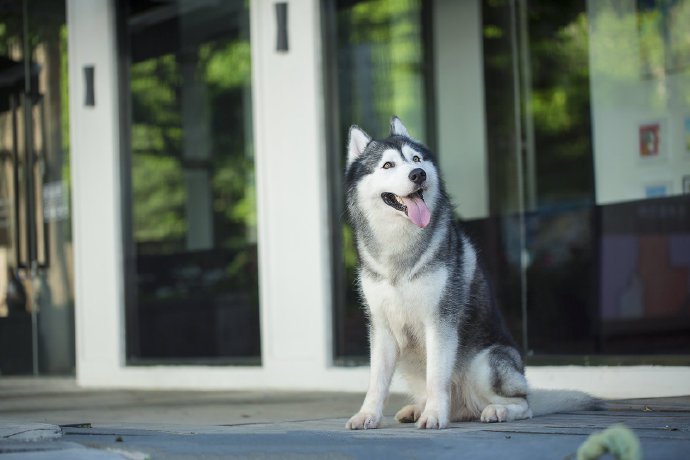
(544, 402)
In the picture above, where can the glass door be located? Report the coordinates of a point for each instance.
(36, 293)
(541, 235)
(601, 175)
(563, 134)
(189, 212)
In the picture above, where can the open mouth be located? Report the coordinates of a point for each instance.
(396, 202)
(412, 205)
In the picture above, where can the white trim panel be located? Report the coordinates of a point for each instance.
(96, 224)
(614, 382)
(291, 188)
(609, 382)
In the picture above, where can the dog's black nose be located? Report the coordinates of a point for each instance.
(417, 175)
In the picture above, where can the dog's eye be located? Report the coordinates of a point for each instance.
(388, 165)
(416, 159)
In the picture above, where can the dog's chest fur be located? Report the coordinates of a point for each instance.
(404, 304)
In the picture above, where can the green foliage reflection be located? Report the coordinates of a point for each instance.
(381, 62)
(157, 136)
(380, 50)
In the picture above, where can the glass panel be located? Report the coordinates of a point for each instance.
(53, 190)
(192, 282)
(641, 118)
(379, 47)
(602, 123)
(36, 273)
(380, 43)
(498, 232)
(560, 295)
(640, 93)
(576, 171)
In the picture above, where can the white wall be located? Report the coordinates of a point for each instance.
(460, 113)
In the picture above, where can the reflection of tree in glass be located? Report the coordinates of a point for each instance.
(651, 33)
(157, 176)
(157, 144)
(560, 102)
(227, 70)
(679, 36)
(381, 72)
(380, 52)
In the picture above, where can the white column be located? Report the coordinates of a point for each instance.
(95, 150)
(289, 136)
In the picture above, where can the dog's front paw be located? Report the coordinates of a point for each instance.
(432, 419)
(363, 421)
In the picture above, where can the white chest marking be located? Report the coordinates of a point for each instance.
(406, 307)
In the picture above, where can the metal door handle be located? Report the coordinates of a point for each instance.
(40, 175)
(19, 260)
(26, 230)
(29, 190)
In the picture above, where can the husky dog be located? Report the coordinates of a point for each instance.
(430, 308)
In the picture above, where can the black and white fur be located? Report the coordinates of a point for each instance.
(429, 305)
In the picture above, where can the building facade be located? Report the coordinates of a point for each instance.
(171, 209)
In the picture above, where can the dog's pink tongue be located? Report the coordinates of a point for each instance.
(417, 211)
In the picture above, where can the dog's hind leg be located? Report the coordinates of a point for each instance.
(506, 411)
(409, 413)
(412, 367)
(496, 388)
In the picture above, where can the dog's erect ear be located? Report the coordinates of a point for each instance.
(397, 128)
(357, 143)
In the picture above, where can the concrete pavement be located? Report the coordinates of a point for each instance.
(118, 424)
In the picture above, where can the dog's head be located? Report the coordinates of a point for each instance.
(392, 178)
